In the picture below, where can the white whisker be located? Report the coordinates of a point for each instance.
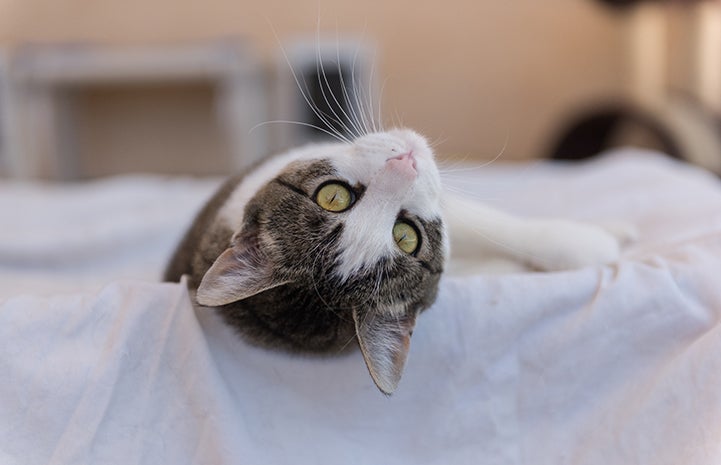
(370, 95)
(399, 120)
(380, 104)
(357, 91)
(500, 154)
(320, 71)
(437, 141)
(301, 123)
(297, 81)
(353, 117)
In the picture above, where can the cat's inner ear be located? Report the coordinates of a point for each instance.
(384, 341)
(241, 271)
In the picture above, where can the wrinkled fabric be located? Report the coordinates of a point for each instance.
(618, 364)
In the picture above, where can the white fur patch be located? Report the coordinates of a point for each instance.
(367, 236)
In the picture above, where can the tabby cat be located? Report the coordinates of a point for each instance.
(335, 244)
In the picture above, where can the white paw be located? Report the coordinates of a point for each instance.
(565, 245)
(626, 233)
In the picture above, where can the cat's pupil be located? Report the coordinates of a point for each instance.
(334, 197)
(405, 236)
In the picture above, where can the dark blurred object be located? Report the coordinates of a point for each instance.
(630, 3)
(593, 132)
(682, 127)
(661, 112)
(625, 3)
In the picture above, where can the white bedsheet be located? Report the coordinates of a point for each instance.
(612, 365)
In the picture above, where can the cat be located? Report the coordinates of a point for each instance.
(334, 245)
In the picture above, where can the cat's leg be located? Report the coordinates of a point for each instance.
(480, 233)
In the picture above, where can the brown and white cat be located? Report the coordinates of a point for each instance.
(336, 243)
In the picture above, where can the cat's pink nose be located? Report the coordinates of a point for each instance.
(404, 164)
(395, 178)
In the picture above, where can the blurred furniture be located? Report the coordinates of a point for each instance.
(44, 87)
(676, 112)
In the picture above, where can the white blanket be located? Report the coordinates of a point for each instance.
(612, 365)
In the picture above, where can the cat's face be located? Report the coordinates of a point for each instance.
(355, 230)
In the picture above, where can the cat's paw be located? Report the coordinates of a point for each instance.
(626, 233)
(565, 245)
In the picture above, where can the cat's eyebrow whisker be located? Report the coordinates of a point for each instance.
(380, 104)
(354, 87)
(340, 138)
(321, 72)
(308, 101)
(357, 90)
(328, 120)
(399, 123)
(353, 118)
(370, 95)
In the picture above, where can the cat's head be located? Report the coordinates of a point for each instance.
(355, 231)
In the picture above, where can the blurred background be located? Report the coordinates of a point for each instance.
(95, 88)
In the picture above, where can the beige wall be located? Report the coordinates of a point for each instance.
(469, 73)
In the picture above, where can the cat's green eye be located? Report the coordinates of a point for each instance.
(334, 197)
(406, 237)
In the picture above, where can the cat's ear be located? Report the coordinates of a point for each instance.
(241, 271)
(384, 341)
